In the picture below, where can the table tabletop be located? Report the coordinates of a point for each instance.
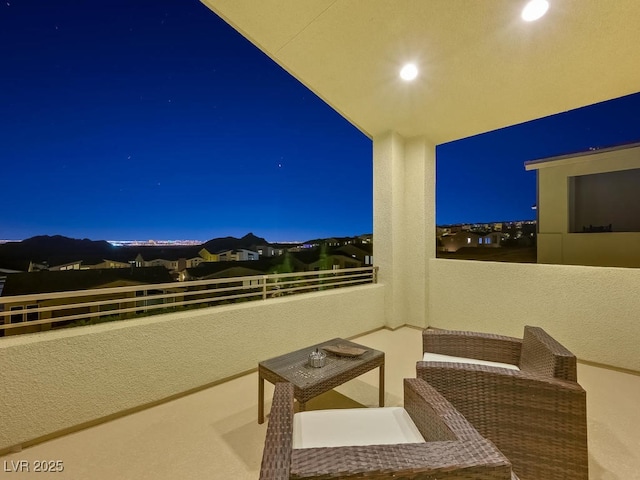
(309, 381)
(294, 367)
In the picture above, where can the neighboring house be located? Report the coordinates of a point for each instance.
(237, 271)
(209, 270)
(454, 241)
(36, 267)
(208, 256)
(366, 238)
(332, 242)
(588, 209)
(174, 265)
(184, 263)
(268, 251)
(238, 255)
(70, 280)
(160, 262)
(105, 264)
(77, 265)
(362, 252)
(334, 262)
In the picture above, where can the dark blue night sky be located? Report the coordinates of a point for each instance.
(144, 119)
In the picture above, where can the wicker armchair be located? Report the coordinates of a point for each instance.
(536, 415)
(453, 450)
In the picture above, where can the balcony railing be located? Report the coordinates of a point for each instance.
(44, 311)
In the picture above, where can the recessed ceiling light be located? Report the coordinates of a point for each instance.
(534, 10)
(409, 72)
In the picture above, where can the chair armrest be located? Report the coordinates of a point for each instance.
(433, 415)
(544, 355)
(453, 460)
(538, 422)
(482, 346)
(276, 457)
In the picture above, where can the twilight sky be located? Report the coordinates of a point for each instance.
(138, 119)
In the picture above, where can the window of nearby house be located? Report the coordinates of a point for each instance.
(487, 240)
(468, 240)
(31, 316)
(16, 317)
(479, 240)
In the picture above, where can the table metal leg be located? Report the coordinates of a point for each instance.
(260, 399)
(381, 386)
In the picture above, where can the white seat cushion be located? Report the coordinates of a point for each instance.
(436, 357)
(354, 426)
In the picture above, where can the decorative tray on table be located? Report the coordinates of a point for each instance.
(344, 350)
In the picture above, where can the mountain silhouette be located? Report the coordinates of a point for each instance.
(52, 250)
(58, 250)
(249, 242)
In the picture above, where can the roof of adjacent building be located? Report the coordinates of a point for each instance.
(234, 271)
(207, 269)
(535, 164)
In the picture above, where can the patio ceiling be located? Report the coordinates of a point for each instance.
(481, 66)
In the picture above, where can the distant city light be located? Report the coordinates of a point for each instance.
(409, 72)
(153, 243)
(534, 10)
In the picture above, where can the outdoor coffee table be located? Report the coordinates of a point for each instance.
(309, 382)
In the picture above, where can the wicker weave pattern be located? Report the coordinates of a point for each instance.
(276, 459)
(543, 355)
(467, 456)
(483, 346)
(310, 382)
(538, 421)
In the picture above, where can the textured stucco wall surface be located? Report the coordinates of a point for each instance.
(56, 380)
(593, 311)
(404, 223)
(555, 244)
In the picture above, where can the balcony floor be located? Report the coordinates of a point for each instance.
(214, 433)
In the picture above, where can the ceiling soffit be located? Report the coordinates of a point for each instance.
(481, 67)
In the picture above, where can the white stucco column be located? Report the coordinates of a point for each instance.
(404, 224)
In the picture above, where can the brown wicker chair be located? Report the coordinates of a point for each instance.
(536, 416)
(453, 450)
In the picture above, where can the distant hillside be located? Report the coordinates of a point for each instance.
(58, 250)
(54, 250)
(249, 241)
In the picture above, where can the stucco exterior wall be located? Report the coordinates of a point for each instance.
(404, 223)
(612, 249)
(593, 311)
(555, 243)
(56, 380)
(388, 220)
